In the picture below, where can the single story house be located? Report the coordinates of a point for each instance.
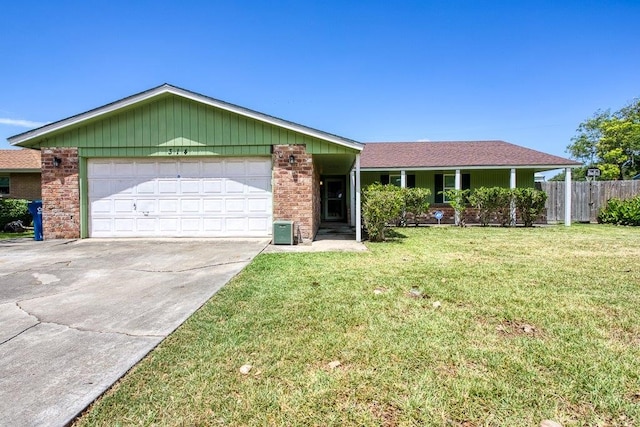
(171, 162)
(20, 174)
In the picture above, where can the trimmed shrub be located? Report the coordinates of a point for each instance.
(530, 203)
(381, 204)
(416, 202)
(621, 212)
(482, 199)
(458, 201)
(14, 210)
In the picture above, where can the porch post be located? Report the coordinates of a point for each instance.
(358, 207)
(458, 184)
(352, 192)
(512, 185)
(403, 179)
(567, 197)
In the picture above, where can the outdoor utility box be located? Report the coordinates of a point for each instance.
(283, 232)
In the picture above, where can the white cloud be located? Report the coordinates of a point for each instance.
(21, 123)
(424, 140)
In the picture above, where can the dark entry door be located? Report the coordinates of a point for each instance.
(334, 199)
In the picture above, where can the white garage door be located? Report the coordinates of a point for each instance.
(192, 198)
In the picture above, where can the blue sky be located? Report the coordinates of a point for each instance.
(522, 71)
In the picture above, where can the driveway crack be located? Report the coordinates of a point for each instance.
(75, 328)
(201, 267)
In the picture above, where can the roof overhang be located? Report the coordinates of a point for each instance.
(24, 138)
(4, 171)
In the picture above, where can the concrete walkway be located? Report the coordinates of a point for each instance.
(77, 315)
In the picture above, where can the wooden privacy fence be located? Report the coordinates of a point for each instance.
(587, 197)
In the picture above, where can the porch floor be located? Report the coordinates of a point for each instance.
(332, 236)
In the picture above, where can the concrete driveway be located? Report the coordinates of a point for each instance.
(77, 315)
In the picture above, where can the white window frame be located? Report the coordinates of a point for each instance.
(444, 186)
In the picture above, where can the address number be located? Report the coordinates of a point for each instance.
(177, 152)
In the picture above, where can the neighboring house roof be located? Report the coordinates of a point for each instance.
(20, 160)
(24, 138)
(463, 154)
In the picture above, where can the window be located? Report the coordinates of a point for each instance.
(397, 180)
(448, 183)
(4, 185)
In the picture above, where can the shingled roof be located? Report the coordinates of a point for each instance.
(463, 154)
(20, 160)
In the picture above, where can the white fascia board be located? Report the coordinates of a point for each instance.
(439, 168)
(109, 108)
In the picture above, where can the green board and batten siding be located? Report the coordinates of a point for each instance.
(168, 125)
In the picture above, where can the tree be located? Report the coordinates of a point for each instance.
(609, 141)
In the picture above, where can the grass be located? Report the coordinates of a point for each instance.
(533, 324)
(6, 236)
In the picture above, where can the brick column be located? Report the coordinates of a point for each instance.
(60, 194)
(296, 189)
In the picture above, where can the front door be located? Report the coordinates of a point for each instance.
(334, 199)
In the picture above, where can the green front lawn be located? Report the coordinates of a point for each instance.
(5, 236)
(532, 324)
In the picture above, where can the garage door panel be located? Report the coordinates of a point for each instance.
(212, 225)
(233, 186)
(167, 170)
(213, 206)
(100, 188)
(212, 186)
(146, 225)
(146, 187)
(168, 225)
(102, 225)
(236, 224)
(168, 206)
(259, 224)
(257, 205)
(258, 167)
(235, 168)
(123, 169)
(99, 169)
(125, 225)
(146, 169)
(190, 169)
(259, 185)
(188, 225)
(234, 205)
(179, 197)
(213, 168)
(167, 186)
(190, 186)
(148, 206)
(123, 205)
(190, 205)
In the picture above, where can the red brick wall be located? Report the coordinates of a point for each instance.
(60, 194)
(296, 190)
(24, 186)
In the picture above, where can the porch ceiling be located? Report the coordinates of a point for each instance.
(334, 164)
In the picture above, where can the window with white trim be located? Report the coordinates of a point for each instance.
(448, 183)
